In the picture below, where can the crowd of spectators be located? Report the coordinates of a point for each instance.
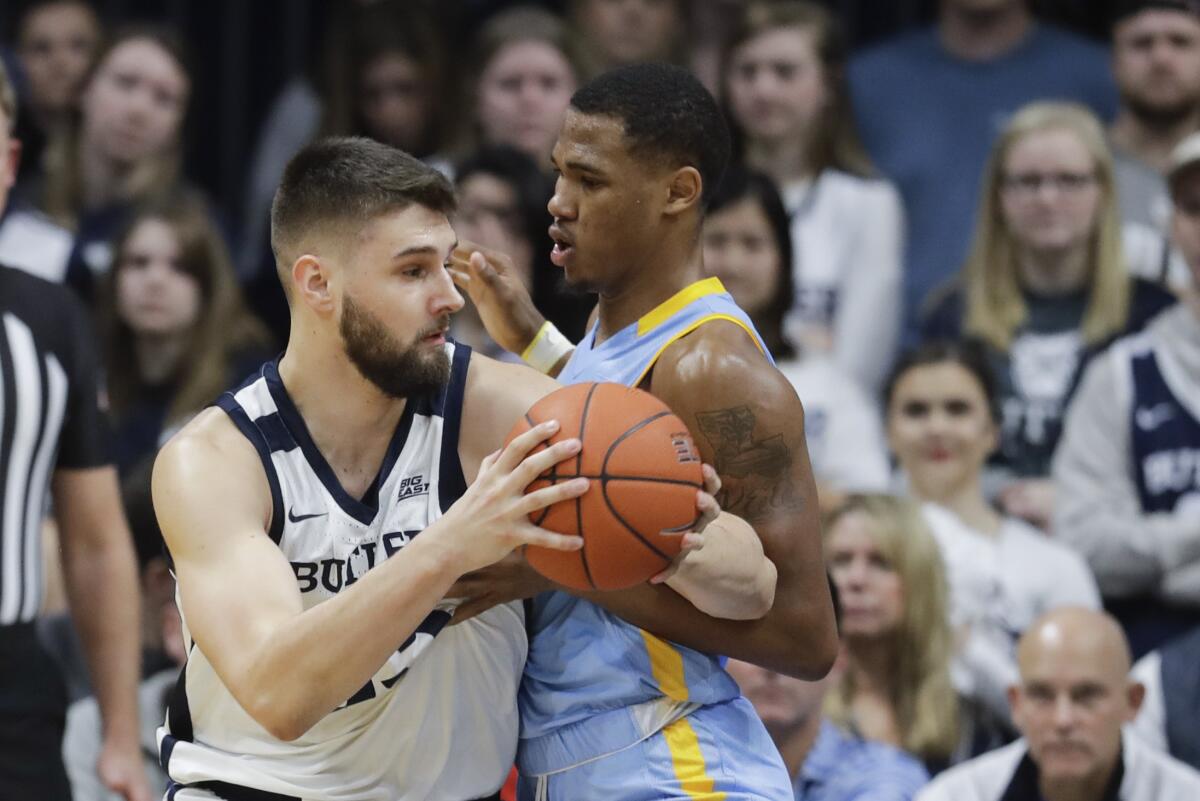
(973, 249)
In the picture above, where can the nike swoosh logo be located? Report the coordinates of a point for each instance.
(1152, 418)
(295, 518)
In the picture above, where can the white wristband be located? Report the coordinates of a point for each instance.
(547, 348)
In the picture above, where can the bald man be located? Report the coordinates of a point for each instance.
(1074, 696)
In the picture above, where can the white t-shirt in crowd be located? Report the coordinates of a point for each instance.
(841, 426)
(998, 586)
(848, 241)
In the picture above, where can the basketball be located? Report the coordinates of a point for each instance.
(644, 471)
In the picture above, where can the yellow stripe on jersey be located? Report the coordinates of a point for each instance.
(671, 306)
(689, 762)
(666, 664)
(689, 329)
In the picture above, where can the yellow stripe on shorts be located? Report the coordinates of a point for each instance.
(666, 664)
(689, 762)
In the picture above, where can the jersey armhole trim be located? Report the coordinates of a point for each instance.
(452, 482)
(252, 432)
(689, 329)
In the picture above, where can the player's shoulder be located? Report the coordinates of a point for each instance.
(718, 350)
(493, 380)
(719, 361)
(496, 395)
(208, 442)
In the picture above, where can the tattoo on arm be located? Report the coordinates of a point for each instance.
(756, 473)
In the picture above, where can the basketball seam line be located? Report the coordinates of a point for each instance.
(603, 483)
(583, 556)
(607, 477)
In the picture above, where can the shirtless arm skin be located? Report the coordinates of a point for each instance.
(289, 667)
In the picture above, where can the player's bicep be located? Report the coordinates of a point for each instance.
(748, 423)
(497, 396)
(235, 586)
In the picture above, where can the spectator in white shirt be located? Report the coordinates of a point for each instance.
(747, 244)
(1073, 698)
(785, 88)
(942, 425)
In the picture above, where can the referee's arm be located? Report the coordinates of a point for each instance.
(99, 566)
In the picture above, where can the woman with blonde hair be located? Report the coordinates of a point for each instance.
(785, 90)
(177, 332)
(896, 687)
(1045, 286)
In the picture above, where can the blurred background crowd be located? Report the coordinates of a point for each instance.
(969, 231)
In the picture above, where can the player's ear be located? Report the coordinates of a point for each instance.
(310, 283)
(684, 190)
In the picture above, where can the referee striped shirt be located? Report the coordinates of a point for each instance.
(49, 420)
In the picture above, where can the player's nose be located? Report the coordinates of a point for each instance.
(446, 298)
(561, 206)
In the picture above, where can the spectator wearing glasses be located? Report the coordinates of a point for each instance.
(1044, 288)
(931, 103)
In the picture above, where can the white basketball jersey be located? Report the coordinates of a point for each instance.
(439, 719)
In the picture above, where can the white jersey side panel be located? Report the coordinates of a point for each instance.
(439, 719)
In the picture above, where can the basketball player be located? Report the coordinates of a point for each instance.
(319, 516)
(620, 698)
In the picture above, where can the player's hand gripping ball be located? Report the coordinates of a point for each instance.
(644, 471)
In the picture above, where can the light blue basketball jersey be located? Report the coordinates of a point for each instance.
(594, 684)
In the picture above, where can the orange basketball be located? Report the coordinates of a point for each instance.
(644, 471)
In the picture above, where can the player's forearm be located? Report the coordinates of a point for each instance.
(309, 666)
(730, 577)
(796, 639)
(101, 581)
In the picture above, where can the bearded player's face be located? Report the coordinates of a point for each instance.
(396, 301)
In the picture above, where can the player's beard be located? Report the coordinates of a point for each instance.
(398, 371)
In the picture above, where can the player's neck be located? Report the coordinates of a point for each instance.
(984, 36)
(645, 288)
(350, 420)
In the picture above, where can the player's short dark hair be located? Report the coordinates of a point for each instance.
(666, 114)
(338, 184)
